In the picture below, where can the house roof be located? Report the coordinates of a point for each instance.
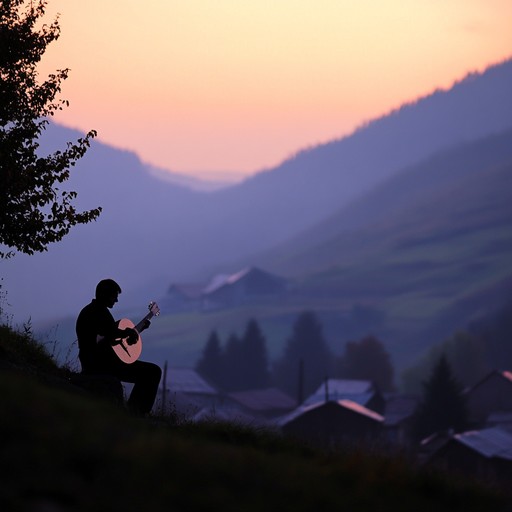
(506, 375)
(187, 380)
(264, 399)
(187, 290)
(398, 408)
(222, 280)
(360, 391)
(345, 404)
(489, 442)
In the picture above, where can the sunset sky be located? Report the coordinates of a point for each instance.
(218, 88)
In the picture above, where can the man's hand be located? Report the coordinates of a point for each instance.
(146, 324)
(131, 335)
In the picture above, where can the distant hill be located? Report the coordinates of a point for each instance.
(152, 232)
(430, 249)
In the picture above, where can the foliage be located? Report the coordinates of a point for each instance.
(34, 211)
(306, 344)
(210, 365)
(20, 349)
(367, 359)
(242, 365)
(443, 405)
(466, 353)
(255, 359)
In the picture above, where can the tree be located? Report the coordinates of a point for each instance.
(34, 211)
(233, 376)
(210, 365)
(307, 343)
(367, 359)
(442, 406)
(254, 357)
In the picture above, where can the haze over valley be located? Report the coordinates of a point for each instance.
(407, 217)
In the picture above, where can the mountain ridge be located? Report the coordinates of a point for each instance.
(154, 232)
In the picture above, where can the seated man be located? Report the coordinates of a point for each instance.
(97, 331)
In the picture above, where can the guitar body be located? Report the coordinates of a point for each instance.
(130, 353)
(127, 353)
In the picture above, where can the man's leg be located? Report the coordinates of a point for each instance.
(146, 378)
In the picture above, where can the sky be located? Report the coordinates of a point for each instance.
(221, 89)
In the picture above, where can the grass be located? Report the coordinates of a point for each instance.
(62, 450)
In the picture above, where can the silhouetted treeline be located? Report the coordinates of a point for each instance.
(306, 361)
(242, 364)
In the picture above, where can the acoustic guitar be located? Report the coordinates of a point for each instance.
(130, 353)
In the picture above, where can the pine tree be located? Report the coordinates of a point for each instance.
(367, 359)
(443, 406)
(211, 364)
(233, 375)
(254, 357)
(34, 211)
(307, 343)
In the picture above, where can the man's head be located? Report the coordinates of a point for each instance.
(107, 292)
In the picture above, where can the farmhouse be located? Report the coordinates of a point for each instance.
(265, 403)
(225, 290)
(485, 454)
(362, 392)
(250, 284)
(491, 396)
(333, 422)
(186, 392)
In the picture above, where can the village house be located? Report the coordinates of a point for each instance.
(329, 423)
(266, 403)
(485, 454)
(490, 399)
(248, 285)
(186, 393)
(362, 392)
(225, 290)
(398, 415)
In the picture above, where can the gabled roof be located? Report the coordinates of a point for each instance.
(360, 391)
(187, 380)
(490, 442)
(505, 375)
(399, 407)
(264, 399)
(222, 280)
(187, 290)
(345, 404)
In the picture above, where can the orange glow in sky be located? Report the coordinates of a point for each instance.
(212, 87)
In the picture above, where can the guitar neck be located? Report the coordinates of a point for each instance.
(141, 323)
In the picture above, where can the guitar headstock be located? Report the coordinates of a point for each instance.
(153, 308)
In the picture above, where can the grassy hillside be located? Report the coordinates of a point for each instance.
(68, 451)
(431, 252)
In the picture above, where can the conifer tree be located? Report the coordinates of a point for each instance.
(307, 343)
(443, 405)
(254, 357)
(34, 210)
(367, 359)
(233, 375)
(210, 365)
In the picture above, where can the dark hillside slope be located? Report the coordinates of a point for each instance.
(63, 450)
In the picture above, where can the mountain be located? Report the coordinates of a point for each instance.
(152, 232)
(430, 250)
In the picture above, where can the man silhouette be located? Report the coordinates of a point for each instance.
(97, 331)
